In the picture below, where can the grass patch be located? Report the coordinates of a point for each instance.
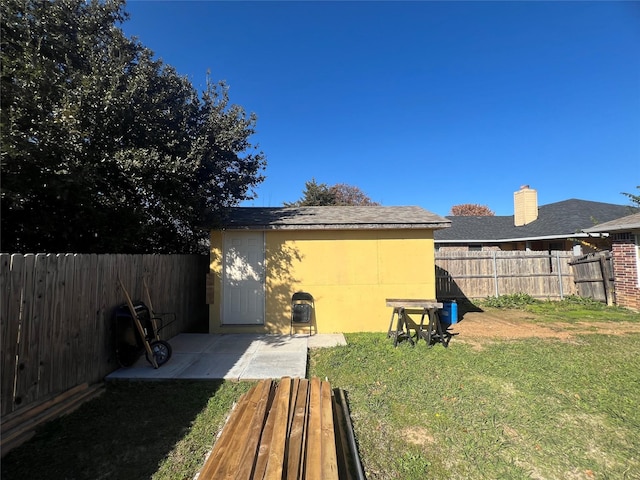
(517, 409)
(571, 309)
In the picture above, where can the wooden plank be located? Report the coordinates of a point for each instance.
(313, 462)
(95, 356)
(248, 459)
(295, 385)
(16, 418)
(297, 432)
(6, 340)
(27, 361)
(40, 318)
(62, 407)
(265, 446)
(56, 347)
(70, 357)
(329, 458)
(14, 437)
(412, 303)
(242, 434)
(81, 324)
(223, 446)
(9, 444)
(280, 410)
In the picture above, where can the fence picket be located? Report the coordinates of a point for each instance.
(11, 305)
(26, 383)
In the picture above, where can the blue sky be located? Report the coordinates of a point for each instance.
(422, 103)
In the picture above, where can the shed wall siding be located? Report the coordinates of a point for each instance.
(349, 274)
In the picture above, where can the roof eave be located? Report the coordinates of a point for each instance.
(521, 239)
(618, 228)
(341, 226)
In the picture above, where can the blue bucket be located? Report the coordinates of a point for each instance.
(449, 312)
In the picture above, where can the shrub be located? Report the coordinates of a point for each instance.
(514, 300)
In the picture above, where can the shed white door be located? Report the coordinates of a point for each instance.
(243, 279)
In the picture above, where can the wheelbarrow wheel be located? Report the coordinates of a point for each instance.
(161, 352)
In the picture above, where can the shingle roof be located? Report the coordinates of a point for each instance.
(334, 217)
(630, 222)
(563, 219)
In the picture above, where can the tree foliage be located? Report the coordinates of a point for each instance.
(320, 194)
(105, 149)
(350, 195)
(635, 199)
(471, 210)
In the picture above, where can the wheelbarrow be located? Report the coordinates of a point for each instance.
(137, 330)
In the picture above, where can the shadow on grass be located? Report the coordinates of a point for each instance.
(125, 433)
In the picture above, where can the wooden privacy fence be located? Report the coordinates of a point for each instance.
(494, 273)
(56, 315)
(594, 276)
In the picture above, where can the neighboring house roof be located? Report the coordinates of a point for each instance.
(630, 222)
(330, 218)
(565, 219)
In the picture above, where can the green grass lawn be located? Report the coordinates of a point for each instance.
(533, 408)
(518, 409)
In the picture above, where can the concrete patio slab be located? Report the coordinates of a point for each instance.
(212, 366)
(193, 342)
(144, 370)
(240, 343)
(275, 365)
(231, 357)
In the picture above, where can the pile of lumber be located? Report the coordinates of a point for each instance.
(291, 429)
(19, 426)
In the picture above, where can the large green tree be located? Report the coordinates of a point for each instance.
(104, 148)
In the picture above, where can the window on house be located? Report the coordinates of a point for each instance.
(475, 248)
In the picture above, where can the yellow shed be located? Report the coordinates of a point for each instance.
(350, 259)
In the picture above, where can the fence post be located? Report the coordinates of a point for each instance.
(606, 279)
(495, 274)
(559, 275)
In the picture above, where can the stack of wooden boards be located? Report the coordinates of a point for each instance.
(291, 429)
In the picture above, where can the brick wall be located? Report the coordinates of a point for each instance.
(625, 267)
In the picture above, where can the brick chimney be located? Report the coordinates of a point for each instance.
(525, 206)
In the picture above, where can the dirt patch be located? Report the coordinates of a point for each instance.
(515, 324)
(417, 436)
